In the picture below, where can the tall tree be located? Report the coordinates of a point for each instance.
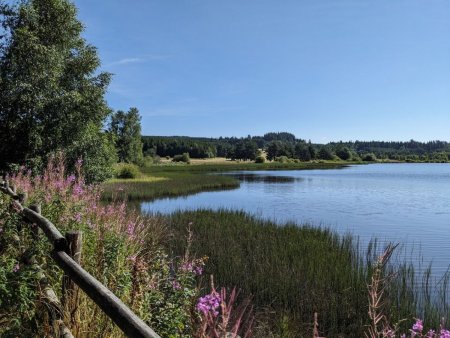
(126, 128)
(51, 97)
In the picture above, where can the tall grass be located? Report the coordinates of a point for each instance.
(294, 271)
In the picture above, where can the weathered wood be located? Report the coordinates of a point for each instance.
(64, 332)
(59, 241)
(127, 321)
(17, 205)
(54, 306)
(69, 288)
(35, 229)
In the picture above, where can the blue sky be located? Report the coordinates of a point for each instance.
(325, 70)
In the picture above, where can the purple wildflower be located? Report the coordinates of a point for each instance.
(16, 267)
(130, 228)
(198, 270)
(77, 217)
(187, 266)
(444, 333)
(77, 190)
(418, 326)
(176, 285)
(431, 334)
(209, 303)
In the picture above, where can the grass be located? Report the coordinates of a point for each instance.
(165, 185)
(293, 271)
(171, 179)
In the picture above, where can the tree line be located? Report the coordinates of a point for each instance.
(286, 145)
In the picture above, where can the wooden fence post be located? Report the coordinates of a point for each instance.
(69, 288)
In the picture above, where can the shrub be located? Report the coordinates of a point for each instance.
(282, 159)
(182, 158)
(126, 170)
(369, 157)
(260, 159)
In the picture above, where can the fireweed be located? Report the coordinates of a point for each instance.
(121, 248)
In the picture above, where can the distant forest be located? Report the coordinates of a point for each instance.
(284, 145)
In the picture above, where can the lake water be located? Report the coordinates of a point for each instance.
(406, 203)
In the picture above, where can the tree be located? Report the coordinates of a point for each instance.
(126, 128)
(245, 150)
(325, 153)
(50, 94)
(302, 152)
(343, 153)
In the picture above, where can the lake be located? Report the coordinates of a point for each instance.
(406, 203)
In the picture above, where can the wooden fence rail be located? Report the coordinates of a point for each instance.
(113, 307)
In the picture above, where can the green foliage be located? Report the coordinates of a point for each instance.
(197, 147)
(278, 148)
(126, 128)
(260, 159)
(369, 157)
(51, 96)
(245, 150)
(126, 170)
(18, 281)
(182, 158)
(325, 153)
(282, 159)
(302, 152)
(343, 153)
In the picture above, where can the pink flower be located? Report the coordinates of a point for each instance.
(176, 285)
(209, 303)
(418, 326)
(444, 333)
(78, 190)
(16, 267)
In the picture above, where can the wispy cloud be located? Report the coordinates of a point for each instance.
(141, 59)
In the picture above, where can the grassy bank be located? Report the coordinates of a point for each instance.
(165, 184)
(293, 272)
(181, 179)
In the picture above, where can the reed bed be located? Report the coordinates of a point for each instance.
(167, 185)
(294, 271)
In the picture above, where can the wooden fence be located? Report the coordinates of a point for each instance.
(64, 253)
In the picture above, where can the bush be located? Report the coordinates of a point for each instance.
(282, 159)
(260, 159)
(369, 157)
(126, 170)
(182, 158)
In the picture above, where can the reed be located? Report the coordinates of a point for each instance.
(167, 185)
(293, 271)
